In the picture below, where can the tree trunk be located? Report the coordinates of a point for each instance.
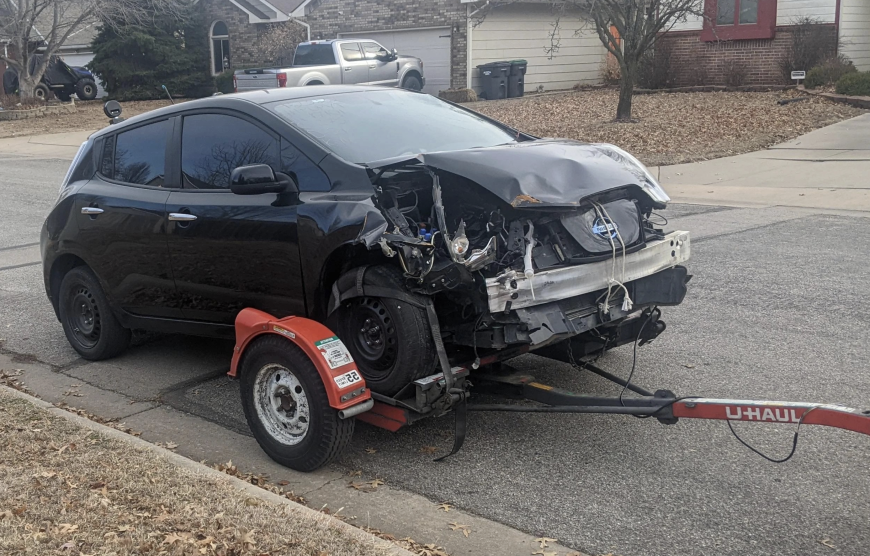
(626, 90)
(26, 85)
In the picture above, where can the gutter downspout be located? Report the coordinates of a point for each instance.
(307, 27)
(469, 66)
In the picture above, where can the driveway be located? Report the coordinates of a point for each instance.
(775, 310)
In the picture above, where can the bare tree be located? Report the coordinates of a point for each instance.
(43, 26)
(628, 29)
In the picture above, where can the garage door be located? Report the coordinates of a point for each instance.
(80, 60)
(430, 45)
(522, 31)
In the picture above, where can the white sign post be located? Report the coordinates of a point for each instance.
(798, 76)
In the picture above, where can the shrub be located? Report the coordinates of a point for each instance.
(829, 72)
(610, 71)
(735, 73)
(855, 84)
(224, 82)
(812, 42)
(656, 68)
(134, 61)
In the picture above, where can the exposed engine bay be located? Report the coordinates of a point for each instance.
(530, 243)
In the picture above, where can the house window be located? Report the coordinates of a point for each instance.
(739, 19)
(220, 47)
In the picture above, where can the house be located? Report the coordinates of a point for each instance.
(754, 35)
(452, 37)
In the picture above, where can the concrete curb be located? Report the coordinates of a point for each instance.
(206, 471)
(857, 102)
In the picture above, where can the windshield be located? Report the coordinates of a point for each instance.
(314, 55)
(364, 127)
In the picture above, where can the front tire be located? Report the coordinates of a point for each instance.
(87, 318)
(86, 89)
(390, 340)
(287, 408)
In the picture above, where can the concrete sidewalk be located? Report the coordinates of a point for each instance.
(825, 169)
(63, 146)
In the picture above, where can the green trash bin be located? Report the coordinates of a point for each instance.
(516, 78)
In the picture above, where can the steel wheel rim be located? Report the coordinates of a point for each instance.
(83, 317)
(88, 90)
(281, 404)
(374, 336)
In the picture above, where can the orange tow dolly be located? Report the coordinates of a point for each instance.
(302, 392)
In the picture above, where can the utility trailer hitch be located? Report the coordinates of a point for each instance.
(663, 405)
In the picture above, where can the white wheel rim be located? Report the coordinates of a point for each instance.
(281, 404)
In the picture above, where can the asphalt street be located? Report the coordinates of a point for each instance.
(776, 310)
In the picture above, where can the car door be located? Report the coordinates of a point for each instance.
(355, 68)
(231, 251)
(381, 72)
(121, 217)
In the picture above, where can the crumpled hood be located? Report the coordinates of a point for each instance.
(555, 172)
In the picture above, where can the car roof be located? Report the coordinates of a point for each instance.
(262, 97)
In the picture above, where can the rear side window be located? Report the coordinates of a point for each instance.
(213, 145)
(350, 52)
(140, 154)
(107, 161)
(314, 55)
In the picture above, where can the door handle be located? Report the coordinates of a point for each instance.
(347, 69)
(181, 217)
(372, 66)
(92, 211)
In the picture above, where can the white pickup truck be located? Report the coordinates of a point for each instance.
(335, 62)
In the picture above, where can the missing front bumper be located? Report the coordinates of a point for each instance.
(550, 286)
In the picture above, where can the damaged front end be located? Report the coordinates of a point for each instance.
(530, 244)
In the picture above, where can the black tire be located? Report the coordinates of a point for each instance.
(406, 351)
(325, 435)
(42, 92)
(87, 318)
(412, 83)
(86, 89)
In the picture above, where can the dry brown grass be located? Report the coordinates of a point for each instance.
(671, 128)
(88, 117)
(65, 489)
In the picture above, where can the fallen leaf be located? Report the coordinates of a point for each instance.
(252, 502)
(428, 449)
(466, 530)
(371, 451)
(545, 541)
(172, 538)
(828, 542)
(66, 528)
(542, 552)
(248, 538)
(446, 506)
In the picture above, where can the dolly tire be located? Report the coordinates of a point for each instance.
(287, 408)
(390, 340)
(87, 318)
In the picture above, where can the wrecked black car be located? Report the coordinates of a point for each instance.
(362, 208)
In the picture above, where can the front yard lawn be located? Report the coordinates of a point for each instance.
(671, 128)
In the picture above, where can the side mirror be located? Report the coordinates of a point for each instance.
(394, 54)
(258, 179)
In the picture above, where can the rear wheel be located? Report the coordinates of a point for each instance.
(87, 318)
(42, 92)
(390, 340)
(86, 89)
(412, 83)
(287, 408)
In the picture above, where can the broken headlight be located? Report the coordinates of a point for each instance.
(646, 181)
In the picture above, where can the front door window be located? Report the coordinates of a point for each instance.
(220, 47)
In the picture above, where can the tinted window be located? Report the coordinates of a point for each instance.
(376, 125)
(350, 52)
(140, 154)
(107, 161)
(307, 174)
(314, 55)
(213, 145)
(373, 50)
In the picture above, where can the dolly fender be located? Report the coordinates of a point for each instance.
(345, 387)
